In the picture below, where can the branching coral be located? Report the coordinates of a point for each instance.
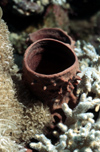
(90, 81)
(86, 51)
(90, 70)
(81, 132)
(87, 55)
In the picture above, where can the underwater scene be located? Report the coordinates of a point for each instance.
(49, 76)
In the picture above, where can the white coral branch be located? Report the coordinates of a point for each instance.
(90, 51)
(79, 133)
(90, 82)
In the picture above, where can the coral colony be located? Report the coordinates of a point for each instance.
(23, 117)
(18, 119)
(9, 108)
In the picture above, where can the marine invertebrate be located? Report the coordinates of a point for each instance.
(49, 69)
(1, 13)
(79, 133)
(89, 61)
(56, 16)
(87, 55)
(90, 71)
(53, 33)
(91, 82)
(10, 116)
(6, 144)
(6, 54)
(10, 109)
(18, 120)
(60, 15)
(87, 51)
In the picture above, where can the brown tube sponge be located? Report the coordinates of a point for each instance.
(53, 33)
(49, 69)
